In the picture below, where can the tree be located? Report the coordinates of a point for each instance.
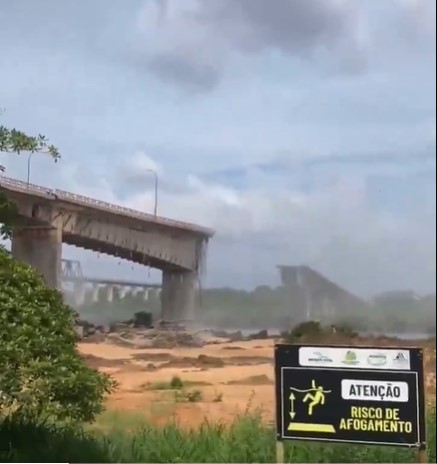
(41, 370)
(8, 214)
(15, 141)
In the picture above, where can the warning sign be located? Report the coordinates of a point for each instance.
(347, 404)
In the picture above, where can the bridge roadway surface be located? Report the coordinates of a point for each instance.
(55, 194)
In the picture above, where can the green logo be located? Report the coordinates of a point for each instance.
(351, 358)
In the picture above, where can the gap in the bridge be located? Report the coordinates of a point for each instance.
(99, 265)
(106, 267)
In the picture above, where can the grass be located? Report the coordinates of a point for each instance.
(180, 390)
(244, 441)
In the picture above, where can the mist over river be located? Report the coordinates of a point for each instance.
(402, 336)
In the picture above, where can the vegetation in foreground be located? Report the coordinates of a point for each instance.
(245, 441)
(41, 370)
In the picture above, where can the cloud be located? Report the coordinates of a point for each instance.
(139, 169)
(196, 38)
(368, 233)
(419, 16)
(317, 145)
(335, 227)
(194, 43)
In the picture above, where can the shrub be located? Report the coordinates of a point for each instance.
(312, 328)
(41, 371)
(8, 212)
(315, 331)
(130, 439)
(176, 383)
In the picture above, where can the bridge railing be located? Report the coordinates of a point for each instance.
(24, 186)
(102, 205)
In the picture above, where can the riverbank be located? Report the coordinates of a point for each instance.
(194, 404)
(217, 381)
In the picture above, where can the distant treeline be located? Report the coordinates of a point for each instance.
(275, 309)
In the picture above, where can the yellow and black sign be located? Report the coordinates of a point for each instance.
(355, 404)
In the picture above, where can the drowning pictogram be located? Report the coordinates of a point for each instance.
(315, 396)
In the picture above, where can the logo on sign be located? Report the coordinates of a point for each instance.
(351, 358)
(320, 358)
(400, 358)
(377, 359)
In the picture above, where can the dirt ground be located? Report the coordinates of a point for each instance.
(220, 380)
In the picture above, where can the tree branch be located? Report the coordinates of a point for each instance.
(14, 141)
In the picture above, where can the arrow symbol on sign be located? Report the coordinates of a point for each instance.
(292, 400)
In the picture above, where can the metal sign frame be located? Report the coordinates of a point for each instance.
(369, 367)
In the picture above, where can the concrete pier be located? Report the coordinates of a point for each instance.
(175, 247)
(178, 296)
(109, 293)
(41, 248)
(79, 293)
(95, 293)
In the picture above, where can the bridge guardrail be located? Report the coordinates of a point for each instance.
(76, 198)
(24, 185)
(102, 205)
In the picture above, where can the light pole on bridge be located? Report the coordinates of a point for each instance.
(155, 175)
(29, 159)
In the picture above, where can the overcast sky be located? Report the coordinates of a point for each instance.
(303, 131)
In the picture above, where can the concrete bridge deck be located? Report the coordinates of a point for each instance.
(14, 185)
(48, 218)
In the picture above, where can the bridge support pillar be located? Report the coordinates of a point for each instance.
(95, 293)
(109, 293)
(41, 248)
(79, 293)
(123, 292)
(178, 296)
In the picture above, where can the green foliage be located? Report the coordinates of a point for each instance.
(32, 440)
(311, 328)
(314, 329)
(41, 371)
(8, 214)
(176, 383)
(15, 141)
(247, 440)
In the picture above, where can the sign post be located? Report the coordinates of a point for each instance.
(342, 394)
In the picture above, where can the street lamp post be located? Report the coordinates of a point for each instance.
(29, 159)
(155, 174)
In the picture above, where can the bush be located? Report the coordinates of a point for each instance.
(41, 371)
(311, 328)
(246, 440)
(32, 440)
(315, 331)
(8, 212)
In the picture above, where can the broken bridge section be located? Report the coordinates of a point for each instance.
(315, 297)
(48, 218)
